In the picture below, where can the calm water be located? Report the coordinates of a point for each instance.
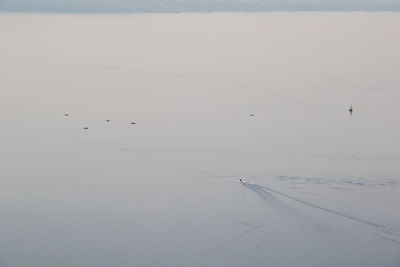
(322, 187)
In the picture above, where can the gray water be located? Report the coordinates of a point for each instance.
(321, 187)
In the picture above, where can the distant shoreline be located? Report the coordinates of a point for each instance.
(189, 12)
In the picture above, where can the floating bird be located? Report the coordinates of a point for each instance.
(351, 109)
(133, 123)
(85, 128)
(66, 114)
(107, 120)
(252, 115)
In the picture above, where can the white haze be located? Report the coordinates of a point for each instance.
(322, 188)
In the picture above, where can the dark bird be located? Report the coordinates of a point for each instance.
(66, 114)
(252, 115)
(107, 120)
(85, 128)
(133, 123)
(351, 110)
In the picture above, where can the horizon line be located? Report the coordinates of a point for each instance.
(15, 11)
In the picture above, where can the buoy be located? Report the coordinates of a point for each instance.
(351, 109)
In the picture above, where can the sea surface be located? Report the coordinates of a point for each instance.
(196, 102)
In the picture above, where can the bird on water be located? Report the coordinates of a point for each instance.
(351, 110)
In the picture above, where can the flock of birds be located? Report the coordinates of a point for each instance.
(251, 115)
(87, 128)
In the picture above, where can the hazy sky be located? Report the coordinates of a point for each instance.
(195, 5)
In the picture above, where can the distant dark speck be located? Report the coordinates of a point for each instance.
(107, 120)
(85, 128)
(66, 114)
(252, 115)
(133, 123)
